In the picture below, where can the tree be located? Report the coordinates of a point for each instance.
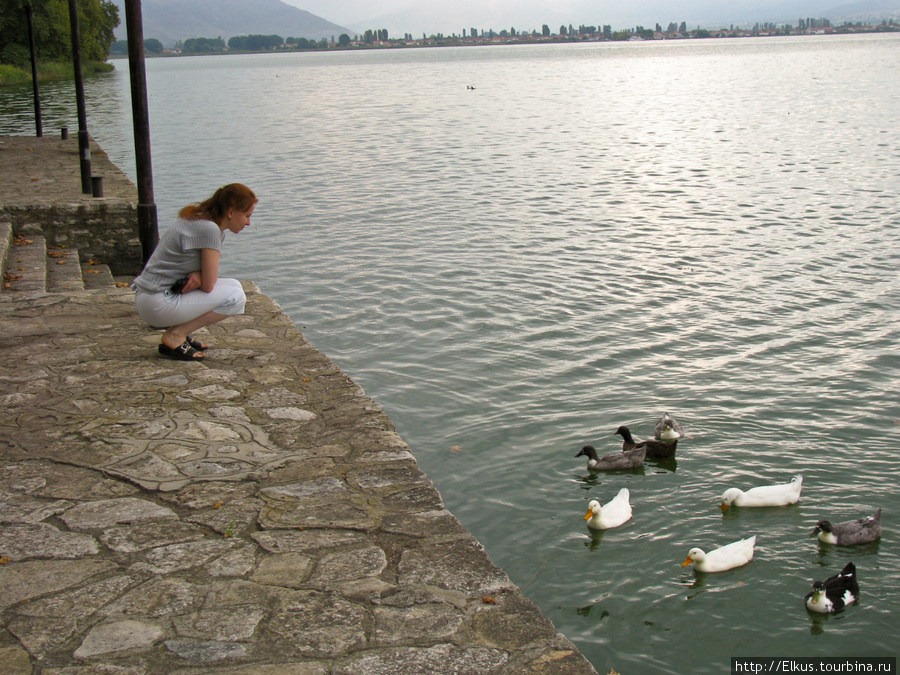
(152, 46)
(203, 45)
(344, 40)
(97, 19)
(545, 30)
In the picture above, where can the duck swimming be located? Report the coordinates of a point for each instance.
(613, 514)
(727, 557)
(851, 532)
(835, 592)
(764, 495)
(668, 429)
(614, 460)
(655, 449)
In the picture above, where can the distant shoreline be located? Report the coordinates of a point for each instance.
(456, 41)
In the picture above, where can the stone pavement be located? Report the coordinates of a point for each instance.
(253, 513)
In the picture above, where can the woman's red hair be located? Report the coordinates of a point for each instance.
(232, 196)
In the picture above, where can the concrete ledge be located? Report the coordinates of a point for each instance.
(42, 186)
(253, 513)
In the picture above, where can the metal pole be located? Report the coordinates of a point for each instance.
(29, 13)
(84, 141)
(148, 227)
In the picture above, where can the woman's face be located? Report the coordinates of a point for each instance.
(236, 220)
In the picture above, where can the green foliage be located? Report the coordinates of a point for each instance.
(255, 43)
(52, 30)
(151, 46)
(302, 43)
(203, 45)
(51, 70)
(11, 75)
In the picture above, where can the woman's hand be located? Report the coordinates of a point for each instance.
(194, 281)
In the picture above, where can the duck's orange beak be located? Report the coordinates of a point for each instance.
(724, 507)
(589, 515)
(687, 562)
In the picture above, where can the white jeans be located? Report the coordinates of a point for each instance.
(165, 309)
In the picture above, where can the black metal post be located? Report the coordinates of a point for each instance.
(38, 123)
(148, 227)
(84, 141)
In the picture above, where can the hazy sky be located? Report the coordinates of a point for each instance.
(451, 16)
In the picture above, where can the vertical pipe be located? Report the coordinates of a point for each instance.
(38, 122)
(148, 229)
(84, 141)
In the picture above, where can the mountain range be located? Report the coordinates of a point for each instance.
(170, 21)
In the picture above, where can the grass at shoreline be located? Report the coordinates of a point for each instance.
(10, 75)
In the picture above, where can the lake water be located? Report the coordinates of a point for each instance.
(595, 234)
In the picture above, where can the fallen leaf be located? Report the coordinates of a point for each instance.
(22, 241)
(488, 600)
(92, 272)
(9, 276)
(4, 560)
(218, 505)
(123, 284)
(35, 180)
(455, 449)
(58, 254)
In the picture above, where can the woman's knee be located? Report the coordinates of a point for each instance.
(234, 298)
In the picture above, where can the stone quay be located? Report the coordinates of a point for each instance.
(255, 513)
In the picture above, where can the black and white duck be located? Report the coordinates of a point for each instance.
(851, 532)
(655, 449)
(835, 592)
(614, 461)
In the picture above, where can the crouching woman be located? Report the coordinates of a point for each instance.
(179, 288)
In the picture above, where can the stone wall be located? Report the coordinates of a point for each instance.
(41, 187)
(104, 231)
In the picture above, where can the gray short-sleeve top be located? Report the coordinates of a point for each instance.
(178, 253)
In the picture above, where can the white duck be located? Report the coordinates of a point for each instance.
(728, 557)
(612, 514)
(764, 495)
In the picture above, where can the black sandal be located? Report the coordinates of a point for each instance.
(183, 353)
(196, 344)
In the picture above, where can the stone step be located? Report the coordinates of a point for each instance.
(63, 270)
(26, 265)
(96, 275)
(29, 265)
(6, 237)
